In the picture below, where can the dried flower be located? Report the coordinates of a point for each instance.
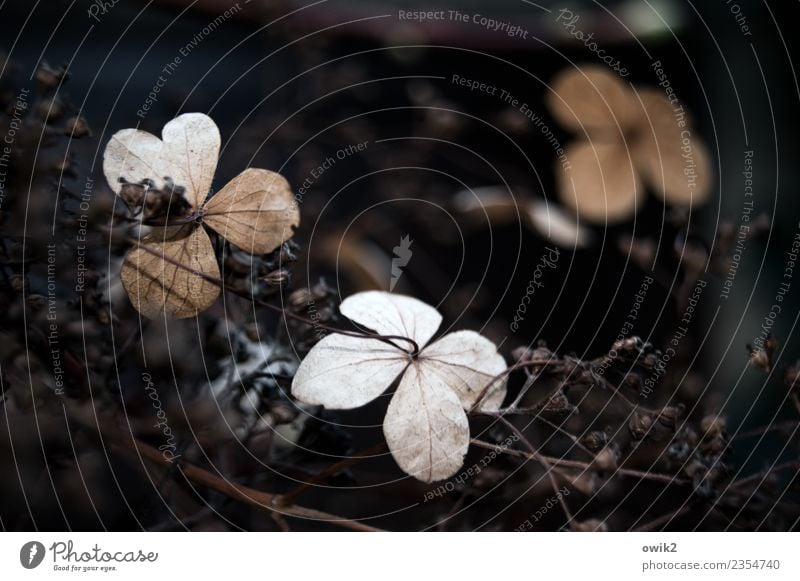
(169, 270)
(631, 137)
(426, 424)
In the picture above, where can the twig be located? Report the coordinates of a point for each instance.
(583, 465)
(543, 461)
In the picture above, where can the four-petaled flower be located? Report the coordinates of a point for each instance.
(171, 271)
(426, 425)
(631, 137)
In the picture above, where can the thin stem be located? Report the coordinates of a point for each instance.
(543, 461)
(221, 284)
(583, 465)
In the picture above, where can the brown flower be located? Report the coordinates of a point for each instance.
(168, 273)
(632, 137)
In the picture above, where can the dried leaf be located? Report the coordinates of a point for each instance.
(425, 427)
(157, 286)
(343, 372)
(602, 185)
(467, 362)
(187, 155)
(590, 99)
(256, 211)
(390, 314)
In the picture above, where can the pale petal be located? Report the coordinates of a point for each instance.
(672, 160)
(343, 372)
(556, 225)
(391, 314)
(425, 427)
(591, 99)
(157, 286)
(256, 211)
(601, 184)
(466, 362)
(187, 155)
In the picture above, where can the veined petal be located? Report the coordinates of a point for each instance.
(156, 285)
(425, 427)
(343, 372)
(391, 314)
(187, 155)
(591, 99)
(601, 185)
(256, 211)
(673, 161)
(466, 362)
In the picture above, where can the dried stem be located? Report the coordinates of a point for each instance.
(583, 465)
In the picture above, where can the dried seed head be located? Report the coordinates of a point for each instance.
(277, 278)
(132, 195)
(18, 282)
(640, 424)
(300, 299)
(50, 109)
(791, 377)
(594, 441)
(760, 359)
(606, 459)
(49, 78)
(558, 403)
(713, 426)
(668, 416)
(77, 127)
(536, 358)
(36, 302)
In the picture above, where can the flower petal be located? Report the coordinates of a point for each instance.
(391, 314)
(660, 150)
(551, 222)
(256, 211)
(157, 286)
(187, 155)
(425, 427)
(466, 362)
(601, 184)
(343, 372)
(589, 99)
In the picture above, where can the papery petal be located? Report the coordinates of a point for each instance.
(467, 362)
(391, 314)
(600, 185)
(156, 285)
(256, 211)
(673, 161)
(187, 155)
(425, 426)
(343, 372)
